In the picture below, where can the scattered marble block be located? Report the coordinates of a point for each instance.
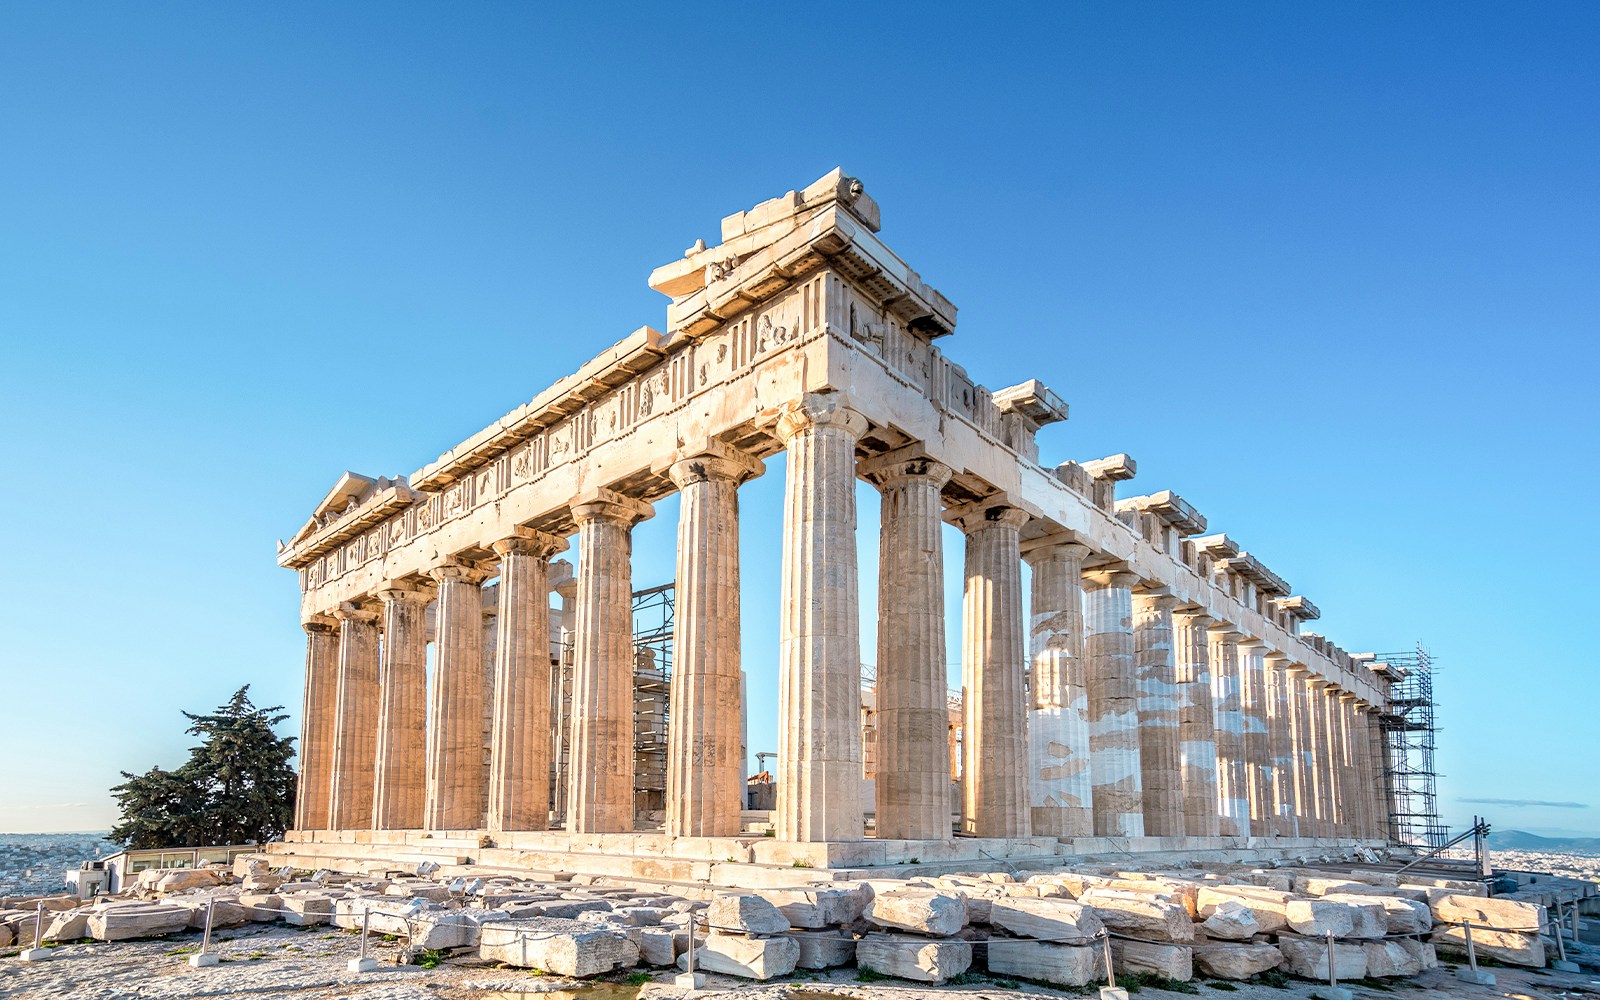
(1236, 960)
(1231, 921)
(1054, 920)
(562, 947)
(824, 949)
(1174, 961)
(1061, 964)
(128, 922)
(919, 959)
(1308, 958)
(745, 913)
(1141, 914)
(922, 911)
(745, 957)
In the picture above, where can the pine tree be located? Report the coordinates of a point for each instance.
(237, 787)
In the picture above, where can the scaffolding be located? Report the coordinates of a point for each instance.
(1411, 734)
(653, 617)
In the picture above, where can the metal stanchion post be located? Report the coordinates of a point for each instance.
(38, 953)
(1110, 991)
(206, 959)
(1332, 991)
(690, 979)
(1472, 974)
(363, 963)
(1561, 964)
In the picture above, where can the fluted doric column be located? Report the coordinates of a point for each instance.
(1115, 765)
(1257, 744)
(561, 697)
(704, 760)
(314, 793)
(1061, 799)
(1280, 765)
(1355, 767)
(600, 792)
(1317, 755)
(355, 727)
(1233, 795)
(519, 759)
(1332, 762)
(455, 702)
(913, 784)
(1197, 727)
(994, 676)
(1160, 759)
(819, 694)
(1302, 802)
(399, 790)
(1378, 752)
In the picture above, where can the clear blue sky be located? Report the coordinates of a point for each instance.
(1329, 271)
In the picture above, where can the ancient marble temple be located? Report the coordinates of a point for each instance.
(1153, 684)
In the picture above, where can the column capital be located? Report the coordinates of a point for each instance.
(1193, 617)
(909, 462)
(414, 592)
(1252, 641)
(1113, 574)
(609, 505)
(528, 542)
(1159, 599)
(1224, 631)
(320, 624)
(716, 461)
(352, 612)
(987, 514)
(819, 410)
(458, 571)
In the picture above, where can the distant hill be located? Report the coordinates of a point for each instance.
(1517, 840)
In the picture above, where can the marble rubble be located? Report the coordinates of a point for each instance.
(1154, 691)
(1049, 926)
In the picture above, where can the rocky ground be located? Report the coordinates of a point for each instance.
(310, 964)
(32, 863)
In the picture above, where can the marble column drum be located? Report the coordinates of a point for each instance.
(1332, 758)
(1061, 796)
(994, 676)
(819, 662)
(1257, 743)
(1233, 796)
(1356, 767)
(455, 702)
(1197, 727)
(913, 775)
(1115, 765)
(313, 795)
(1302, 808)
(1280, 795)
(1160, 760)
(704, 760)
(1316, 755)
(600, 779)
(1378, 754)
(399, 790)
(519, 764)
(355, 725)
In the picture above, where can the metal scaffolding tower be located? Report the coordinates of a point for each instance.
(1410, 731)
(653, 617)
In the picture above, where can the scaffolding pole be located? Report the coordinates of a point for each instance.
(1411, 730)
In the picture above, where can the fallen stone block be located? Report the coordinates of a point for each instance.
(562, 947)
(920, 910)
(568, 909)
(745, 957)
(264, 907)
(68, 925)
(1388, 958)
(818, 908)
(1056, 920)
(1512, 947)
(978, 907)
(1061, 964)
(1400, 914)
(440, 929)
(745, 913)
(1317, 918)
(1231, 921)
(1236, 960)
(128, 922)
(308, 911)
(1174, 961)
(824, 949)
(186, 878)
(1141, 915)
(918, 959)
(1308, 958)
(656, 947)
(224, 913)
(6, 937)
(1422, 951)
(1497, 913)
(1268, 906)
(1368, 918)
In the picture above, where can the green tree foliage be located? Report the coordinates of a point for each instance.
(237, 787)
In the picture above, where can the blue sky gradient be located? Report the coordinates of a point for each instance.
(1329, 271)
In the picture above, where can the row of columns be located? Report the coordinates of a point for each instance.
(1105, 710)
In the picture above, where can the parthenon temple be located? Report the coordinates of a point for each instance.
(472, 673)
